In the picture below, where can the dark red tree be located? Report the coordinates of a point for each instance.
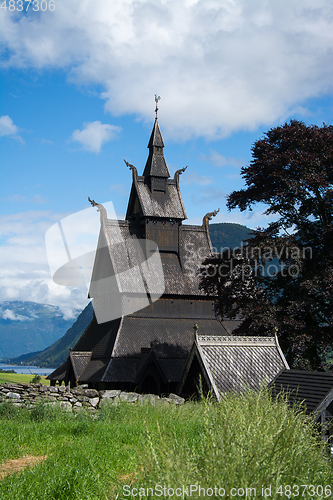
(283, 278)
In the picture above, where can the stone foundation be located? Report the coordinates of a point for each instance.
(75, 399)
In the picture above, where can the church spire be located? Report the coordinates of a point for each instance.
(156, 165)
(154, 196)
(156, 136)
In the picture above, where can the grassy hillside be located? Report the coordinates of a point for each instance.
(243, 442)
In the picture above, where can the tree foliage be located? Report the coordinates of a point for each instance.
(283, 278)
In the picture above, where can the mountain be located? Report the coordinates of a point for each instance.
(29, 327)
(57, 353)
(222, 235)
(227, 235)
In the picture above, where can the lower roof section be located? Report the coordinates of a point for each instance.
(115, 352)
(311, 389)
(169, 337)
(59, 373)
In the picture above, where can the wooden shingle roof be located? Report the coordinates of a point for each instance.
(313, 389)
(168, 205)
(230, 363)
(79, 360)
(169, 338)
(119, 250)
(59, 373)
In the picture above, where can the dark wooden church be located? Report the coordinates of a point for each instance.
(147, 350)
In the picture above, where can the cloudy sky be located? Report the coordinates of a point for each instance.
(78, 80)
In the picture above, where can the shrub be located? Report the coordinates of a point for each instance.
(35, 379)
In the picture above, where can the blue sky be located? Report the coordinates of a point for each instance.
(77, 96)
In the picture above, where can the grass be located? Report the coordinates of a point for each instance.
(246, 441)
(20, 377)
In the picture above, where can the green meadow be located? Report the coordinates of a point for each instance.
(246, 446)
(20, 377)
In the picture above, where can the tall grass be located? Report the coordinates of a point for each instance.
(244, 441)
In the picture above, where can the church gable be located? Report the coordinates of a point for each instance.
(232, 364)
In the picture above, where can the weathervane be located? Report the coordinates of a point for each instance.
(157, 98)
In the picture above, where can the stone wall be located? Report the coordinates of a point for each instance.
(77, 398)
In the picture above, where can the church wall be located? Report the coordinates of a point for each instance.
(165, 235)
(179, 308)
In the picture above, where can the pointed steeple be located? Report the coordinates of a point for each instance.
(154, 195)
(156, 165)
(156, 136)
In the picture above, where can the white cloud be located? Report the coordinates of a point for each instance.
(25, 273)
(8, 314)
(207, 195)
(7, 128)
(95, 134)
(194, 178)
(39, 199)
(219, 65)
(219, 160)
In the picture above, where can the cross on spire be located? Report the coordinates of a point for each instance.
(157, 98)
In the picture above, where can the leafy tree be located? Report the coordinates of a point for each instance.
(283, 278)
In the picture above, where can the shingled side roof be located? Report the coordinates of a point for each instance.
(230, 364)
(312, 389)
(79, 360)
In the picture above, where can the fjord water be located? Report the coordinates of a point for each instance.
(27, 369)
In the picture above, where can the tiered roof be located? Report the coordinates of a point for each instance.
(159, 335)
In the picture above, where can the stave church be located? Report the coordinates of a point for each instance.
(152, 339)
